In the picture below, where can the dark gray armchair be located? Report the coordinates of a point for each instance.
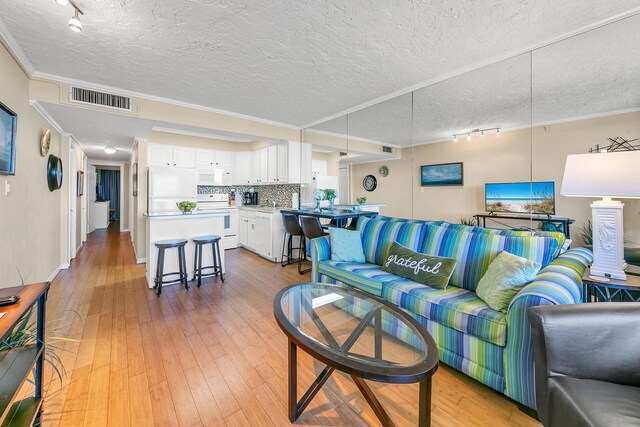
(587, 364)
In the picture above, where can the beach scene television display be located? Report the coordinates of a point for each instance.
(442, 174)
(521, 197)
(8, 121)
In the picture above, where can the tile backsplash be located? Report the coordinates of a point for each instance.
(280, 193)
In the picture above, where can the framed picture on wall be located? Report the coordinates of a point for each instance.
(135, 180)
(442, 174)
(8, 128)
(80, 183)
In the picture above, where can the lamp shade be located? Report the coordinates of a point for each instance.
(602, 175)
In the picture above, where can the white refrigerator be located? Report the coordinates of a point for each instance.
(168, 186)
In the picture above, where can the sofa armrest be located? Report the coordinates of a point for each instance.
(591, 341)
(320, 250)
(558, 283)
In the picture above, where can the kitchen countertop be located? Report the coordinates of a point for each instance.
(179, 215)
(267, 209)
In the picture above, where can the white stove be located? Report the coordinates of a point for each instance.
(209, 202)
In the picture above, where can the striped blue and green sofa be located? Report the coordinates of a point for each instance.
(493, 347)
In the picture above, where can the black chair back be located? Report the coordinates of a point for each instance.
(311, 227)
(291, 224)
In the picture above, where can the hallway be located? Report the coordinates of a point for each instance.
(188, 359)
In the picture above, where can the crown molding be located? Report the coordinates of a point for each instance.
(206, 135)
(590, 25)
(45, 115)
(15, 50)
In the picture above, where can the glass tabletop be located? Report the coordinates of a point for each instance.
(353, 329)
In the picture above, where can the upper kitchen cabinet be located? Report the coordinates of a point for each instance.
(167, 155)
(184, 157)
(272, 164)
(212, 158)
(243, 168)
(259, 166)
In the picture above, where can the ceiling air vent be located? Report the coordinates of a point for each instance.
(386, 149)
(102, 99)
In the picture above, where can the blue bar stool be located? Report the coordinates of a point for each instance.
(163, 245)
(216, 268)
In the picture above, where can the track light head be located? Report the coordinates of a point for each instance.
(455, 138)
(498, 132)
(468, 137)
(75, 24)
(482, 134)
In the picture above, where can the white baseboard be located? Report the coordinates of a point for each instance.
(78, 250)
(63, 266)
(141, 260)
(126, 230)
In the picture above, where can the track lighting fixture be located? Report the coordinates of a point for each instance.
(75, 24)
(473, 131)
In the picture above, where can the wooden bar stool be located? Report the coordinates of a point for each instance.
(216, 268)
(163, 245)
(292, 229)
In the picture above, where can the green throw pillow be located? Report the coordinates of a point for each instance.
(504, 278)
(346, 245)
(430, 270)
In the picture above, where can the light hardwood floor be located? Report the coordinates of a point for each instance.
(211, 356)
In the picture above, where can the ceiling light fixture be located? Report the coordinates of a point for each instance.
(62, 2)
(74, 23)
(470, 133)
(110, 150)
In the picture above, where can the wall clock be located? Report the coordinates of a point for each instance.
(45, 142)
(369, 182)
(54, 173)
(384, 171)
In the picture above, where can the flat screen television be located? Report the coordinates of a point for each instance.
(8, 120)
(520, 197)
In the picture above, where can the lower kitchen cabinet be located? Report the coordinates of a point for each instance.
(261, 232)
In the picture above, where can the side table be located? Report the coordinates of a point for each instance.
(612, 291)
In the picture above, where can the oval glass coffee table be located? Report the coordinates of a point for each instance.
(360, 335)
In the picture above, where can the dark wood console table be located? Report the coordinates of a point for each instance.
(566, 222)
(16, 364)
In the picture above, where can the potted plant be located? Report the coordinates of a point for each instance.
(330, 195)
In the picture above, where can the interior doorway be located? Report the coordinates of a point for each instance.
(107, 204)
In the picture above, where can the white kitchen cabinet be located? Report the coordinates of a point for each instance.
(243, 232)
(159, 155)
(261, 166)
(223, 158)
(255, 167)
(306, 158)
(319, 167)
(242, 169)
(247, 229)
(272, 164)
(205, 158)
(184, 157)
(251, 233)
(262, 234)
(282, 174)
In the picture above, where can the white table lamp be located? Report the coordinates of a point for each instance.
(606, 175)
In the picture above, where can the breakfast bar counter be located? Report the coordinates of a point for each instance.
(163, 226)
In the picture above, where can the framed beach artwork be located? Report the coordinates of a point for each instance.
(441, 174)
(8, 127)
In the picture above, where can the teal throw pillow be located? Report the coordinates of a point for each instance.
(346, 245)
(505, 277)
(430, 270)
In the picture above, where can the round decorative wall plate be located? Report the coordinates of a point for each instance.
(369, 182)
(45, 142)
(384, 171)
(54, 173)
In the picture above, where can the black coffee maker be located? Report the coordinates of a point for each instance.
(250, 198)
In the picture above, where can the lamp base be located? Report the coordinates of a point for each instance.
(608, 243)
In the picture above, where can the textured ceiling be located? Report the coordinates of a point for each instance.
(595, 73)
(289, 61)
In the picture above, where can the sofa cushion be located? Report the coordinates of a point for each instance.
(475, 251)
(377, 236)
(456, 308)
(582, 402)
(364, 276)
